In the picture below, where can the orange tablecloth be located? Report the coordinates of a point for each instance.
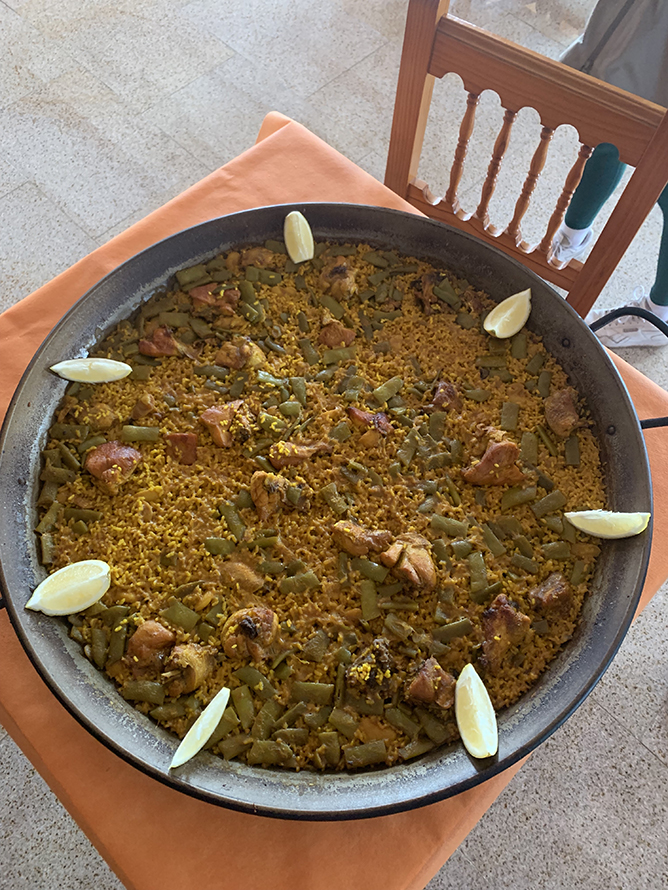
(151, 836)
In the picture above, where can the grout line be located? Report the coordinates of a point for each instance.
(631, 733)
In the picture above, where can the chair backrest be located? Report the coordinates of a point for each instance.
(436, 44)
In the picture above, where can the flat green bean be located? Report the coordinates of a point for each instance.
(369, 569)
(555, 500)
(268, 752)
(366, 754)
(459, 628)
(255, 681)
(369, 600)
(313, 693)
(243, 705)
(509, 416)
(140, 434)
(143, 690)
(453, 527)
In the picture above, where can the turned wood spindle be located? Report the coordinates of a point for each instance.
(571, 183)
(498, 153)
(465, 131)
(535, 169)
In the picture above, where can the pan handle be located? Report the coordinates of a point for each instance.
(651, 422)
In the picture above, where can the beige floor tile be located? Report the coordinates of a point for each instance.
(303, 43)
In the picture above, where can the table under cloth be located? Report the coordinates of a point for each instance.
(152, 836)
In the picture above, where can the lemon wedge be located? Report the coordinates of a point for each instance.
(475, 715)
(510, 316)
(92, 370)
(200, 732)
(607, 524)
(298, 237)
(72, 588)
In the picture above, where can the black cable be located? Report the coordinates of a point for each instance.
(630, 310)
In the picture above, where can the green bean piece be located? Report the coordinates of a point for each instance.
(309, 352)
(477, 395)
(524, 546)
(204, 631)
(343, 655)
(140, 372)
(214, 614)
(331, 747)
(406, 451)
(226, 724)
(47, 549)
(232, 519)
(80, 528)
(168, 559)
(85, 515)
(290, 409)
(452, 527)
(341, 432)
(315, 648)
(388, 389)
(50, 518)
(452, 491)
(396, 626)
(316, 719)
(178, 614)
(510, 412)
(461, 549)
(114, 615)
(61, 475)
(369, 569)
(510, 526)
(212, 371)
(344, 722)
(293, 737)
(555, 500)
(544, 383)
(456, 451)
(143, 690)
(98, 645)
(478, 571)
(524, 563)
(339, 354)
(168, 712)
(219, 546)
(439, 551)
(556, 550)
(255, 681)
(201, 328)
(270, 277)
(369, 600)
(568, 532)
(376, 259)
(535, 363)
(140, 434)
(190, 275)
(459, 628)
(336, 502)
(243, 705)
(518, 345)
(554, 523)
(547, 440)
(117, 644)
(491, 361)
(234, 746)
(298, 386)
(466, 321)
(491, 541)
(396, 717)
(579, 572)
(265, 720)
(270, 423)
(303, 323)
(69, 431)
(485, 595)
(572, 451)
(366, 754)
(93, 442)
(437, 425)
(70, 460)
(333, 306)
(435, 729)
(446, 293)
(415, 749)
(291, 716)
(513, 497)
(48, 494)
(268, 752)
(312, 693)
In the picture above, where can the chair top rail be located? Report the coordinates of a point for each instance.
(561, 95)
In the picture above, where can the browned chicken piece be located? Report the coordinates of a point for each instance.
(241, 577)
(270, 491)
(503, 626)
(582, 550)
(426, 296)
(144, 406)
(357, 540)
(337, 279)
(288, 454)
(335, 334)
(225, 302)
(112, 464)
(161, 342)
(182, 447)
(238, 354)
(553, 595)
(250, 632)
(257, 256)
(187, 668)
(432, 685)
(561, 413)
(379, 420)
(147, 649)
(228, 423)
(409, 559)
(497, 466)
(446, 396)
(99, 417)
(372, 672)
(233, 261)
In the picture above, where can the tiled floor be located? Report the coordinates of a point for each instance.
(110, 107)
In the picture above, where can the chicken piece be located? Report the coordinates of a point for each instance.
(147, 649)
(241, 577)
(410, 560)
(270, 491)
(445, 397)
(228, 423)
(432, 685)
(335, 334)
(160, 343)
(288, 454)
(503, 626)
(233, 261)
(182, 447)
(238, 354)
(249, 633)
(261, 257)
(144, 406)
(561, 413)
(225, 302)
(586, 551)
(553, 595)
(112, 464)
(425, 296)
(337, 279)
(378, 421)
(99, 417)
(357, 540)
(372, 672)
(187, 668)
(497, 466)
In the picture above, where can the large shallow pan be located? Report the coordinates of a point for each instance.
(90, 697)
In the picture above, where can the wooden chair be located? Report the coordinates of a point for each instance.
(436, 44)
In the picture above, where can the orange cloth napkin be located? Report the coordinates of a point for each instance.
(152, 836)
